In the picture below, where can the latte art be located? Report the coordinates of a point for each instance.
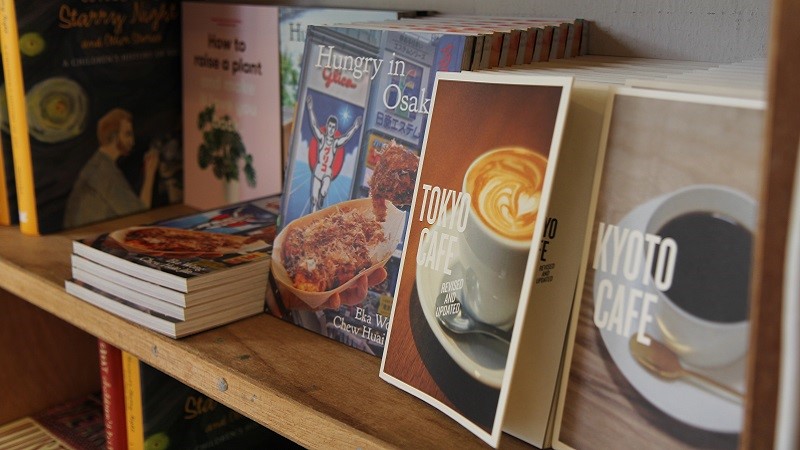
(506, 187)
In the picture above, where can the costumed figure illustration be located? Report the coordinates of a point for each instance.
(326, 162)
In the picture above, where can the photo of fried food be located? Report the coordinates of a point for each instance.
(330, 250)
(393, 179)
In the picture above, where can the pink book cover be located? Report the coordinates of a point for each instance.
(231, 103)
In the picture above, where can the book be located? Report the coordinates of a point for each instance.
(486, 249)
(162, 323)
(231, 103)
(8, 191)
(77, 423)
(162, 412)
(224, 246)
(293, 23)
(94, 108)
(365, 109)
(666, 213)
(112, 390)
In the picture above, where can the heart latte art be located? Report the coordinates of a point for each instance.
(506, 187)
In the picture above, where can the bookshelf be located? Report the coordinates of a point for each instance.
(322, 394)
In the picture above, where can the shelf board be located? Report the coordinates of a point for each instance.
(315, 391)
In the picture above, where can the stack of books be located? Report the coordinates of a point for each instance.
(184, 275)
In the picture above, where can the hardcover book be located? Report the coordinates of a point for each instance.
(364, 94)
(481, 267)
(93, 92)
(161, 412)
(9, 214)
(659, 328)
(231, 103)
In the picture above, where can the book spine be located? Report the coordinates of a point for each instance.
(112, 387)
(133, 401)
(18, 120)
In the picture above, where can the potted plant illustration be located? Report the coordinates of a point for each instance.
(224, 151)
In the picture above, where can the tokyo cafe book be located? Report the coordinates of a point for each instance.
(485, 274)
(363, 104)
(94, 106)
(231, 103)
(660, 328)
(223, 246)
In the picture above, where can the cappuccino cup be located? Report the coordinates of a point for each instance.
(704, 315)
(505, 186)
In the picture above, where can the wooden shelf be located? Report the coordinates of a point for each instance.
(310, 389)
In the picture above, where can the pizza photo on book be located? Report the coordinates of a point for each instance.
(177, 243)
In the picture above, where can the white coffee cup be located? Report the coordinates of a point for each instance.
(494, 250)
(700, 335)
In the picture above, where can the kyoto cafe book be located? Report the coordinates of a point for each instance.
(362, 108)
(487, 270)
(94, 103)
(231, 103)
(660, 327)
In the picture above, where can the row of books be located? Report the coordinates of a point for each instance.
(144, 408)
(200, 77)
(599, 160)
(183, 275)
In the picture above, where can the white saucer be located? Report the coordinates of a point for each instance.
(680, 399)
(484, 358)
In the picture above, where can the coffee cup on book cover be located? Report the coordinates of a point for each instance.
(505, 185)
(703, 315)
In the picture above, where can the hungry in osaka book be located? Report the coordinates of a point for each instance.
(362, 109)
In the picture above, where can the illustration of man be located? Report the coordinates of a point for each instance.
(101, 190)
(329, 146)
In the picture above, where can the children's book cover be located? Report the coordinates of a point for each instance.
(363, 103)
(94, 104)
(660, 326)
(467, 272)
(231, 103)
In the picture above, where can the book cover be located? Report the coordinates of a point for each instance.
(475, 239)
(231, 103)
(293, 23)
(365, 94)
(9, 214)
(76, 423)
(93, 92)
(162, 412)
(659, 331)
(112, 390)
(224, 245)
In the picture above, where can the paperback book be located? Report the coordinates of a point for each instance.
(183, 275)
(659, 329)
(94, 108)
(484, 268)
(362, 108)
(111, 388)
(231, 103)
(220, 246)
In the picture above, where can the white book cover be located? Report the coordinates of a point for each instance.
(659, 331)
(474, 242)
(231, 103)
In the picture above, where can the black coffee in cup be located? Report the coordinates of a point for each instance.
(713, 267)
